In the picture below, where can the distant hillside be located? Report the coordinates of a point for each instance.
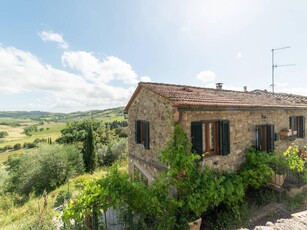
(107, 114)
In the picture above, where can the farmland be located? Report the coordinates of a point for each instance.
(49, 125)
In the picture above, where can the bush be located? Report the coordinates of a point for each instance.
(46, 168)
(17, 146)
(256, 170)
(30, 129)
(27, 145)
(61, 197)
(10, 200)
(116, 150)
(3, 134)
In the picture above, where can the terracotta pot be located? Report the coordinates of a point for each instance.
(278, 180)
(195, 225)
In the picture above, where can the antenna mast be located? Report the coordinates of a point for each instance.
(274, 66)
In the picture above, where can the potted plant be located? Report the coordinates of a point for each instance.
(279, 166)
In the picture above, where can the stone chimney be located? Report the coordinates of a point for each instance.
(219, 86)
(245, 89)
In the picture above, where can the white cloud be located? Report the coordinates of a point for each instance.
(93, 69)
(239, 55)
(206, 76)
(23, 73)
(49, 36)
(145, 79)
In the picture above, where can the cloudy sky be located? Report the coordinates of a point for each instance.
(64, 56)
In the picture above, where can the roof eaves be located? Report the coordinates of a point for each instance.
(136, 92)
(237, 107)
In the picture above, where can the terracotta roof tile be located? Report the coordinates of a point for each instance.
(189, 96)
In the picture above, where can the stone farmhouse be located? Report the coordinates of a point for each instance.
(220, 123)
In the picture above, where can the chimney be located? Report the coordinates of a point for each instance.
(245, 89)
(219, 86)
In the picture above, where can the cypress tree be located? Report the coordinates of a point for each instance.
(89, 151)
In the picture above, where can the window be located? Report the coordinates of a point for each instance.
(211, 137)
(139, 176)
(297, 125)
(265, 138)
(142, 133)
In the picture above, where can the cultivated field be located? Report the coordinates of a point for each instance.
(15, 129)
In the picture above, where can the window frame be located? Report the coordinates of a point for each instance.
(142, 133)
(297, 126)
(265, 137)
(201, 137)
(208, 138)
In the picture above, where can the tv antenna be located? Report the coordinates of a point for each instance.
(274, 66)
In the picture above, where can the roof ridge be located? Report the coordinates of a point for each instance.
(189, 86)
(279, 93)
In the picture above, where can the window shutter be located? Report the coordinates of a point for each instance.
(301, 127)
(146, 134)
(258, 138)
(270, 138)
(137, 131)
(224, 137)
(197, 137)
(291, 122)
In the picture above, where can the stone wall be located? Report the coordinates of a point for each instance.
(158, 111)
(160, 114)
(242, 131)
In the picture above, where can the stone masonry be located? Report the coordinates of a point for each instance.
(242, 131)
(159, 113)
(162, 115)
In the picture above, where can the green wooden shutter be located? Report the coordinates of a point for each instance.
(258, 137)
(301, 126)
(146, 134)
(197, 137)
(137, 131)
(224, 137)
(291, 123)
(270, 138)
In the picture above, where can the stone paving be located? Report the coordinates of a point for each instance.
(297, 222)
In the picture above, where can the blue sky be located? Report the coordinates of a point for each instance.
(64, 56)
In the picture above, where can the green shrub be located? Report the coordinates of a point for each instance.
(107, 155)
(46, 168)
(10, 200)
(17, 146)
(297, 201)
(256, 170)
(3, 134)
(29, 130)
(61, 197)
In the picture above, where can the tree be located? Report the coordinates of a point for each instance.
(3, 134)
(30, 129)
(46, 167)
(17, 146)
(89, 151)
